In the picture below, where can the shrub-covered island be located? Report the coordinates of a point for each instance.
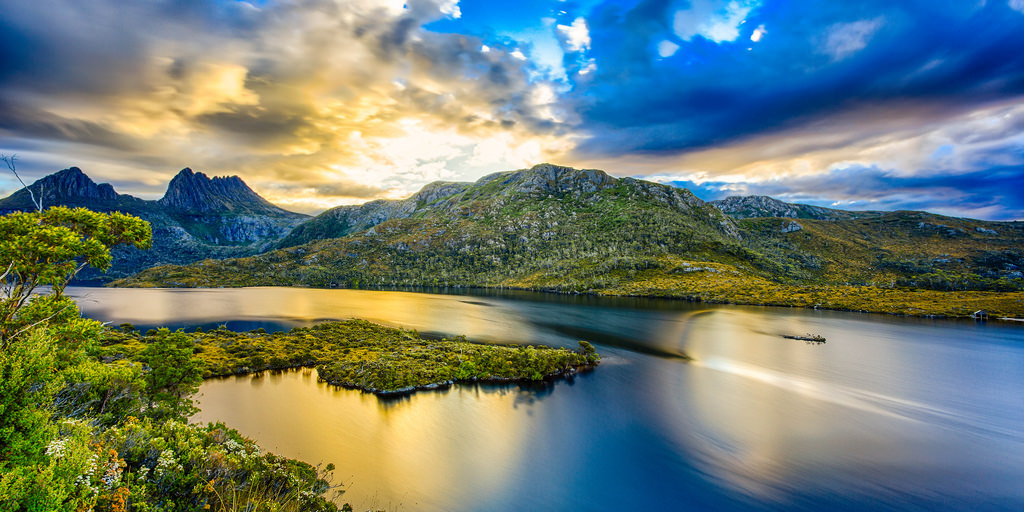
(360, 354)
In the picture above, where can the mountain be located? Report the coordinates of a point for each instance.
(69, 187)
(746, 207)
(195, 193)
(582, 231)
(541, 182)
(225, 211)
(344, 220)
(198, 217)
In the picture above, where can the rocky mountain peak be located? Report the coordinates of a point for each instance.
(756, 206)
(66, 187)
(195, 192)
(72, 183)
(544, 179)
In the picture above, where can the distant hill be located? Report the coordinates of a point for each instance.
(197, 218)
(746, 207)
(344, 220)
(583, 231)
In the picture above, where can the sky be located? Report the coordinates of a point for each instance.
(877, 105)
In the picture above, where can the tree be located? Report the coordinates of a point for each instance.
(51, 247)
(174, 374)
(10, 161)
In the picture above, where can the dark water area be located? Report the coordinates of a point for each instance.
(694, 406)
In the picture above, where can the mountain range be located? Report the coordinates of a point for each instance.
(583, 231)
(197, 218)
(567, 230)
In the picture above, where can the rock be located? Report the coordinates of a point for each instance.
(544, 181)
(791, 226)
(68, 187)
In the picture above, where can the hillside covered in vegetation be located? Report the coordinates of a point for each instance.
(582, 231)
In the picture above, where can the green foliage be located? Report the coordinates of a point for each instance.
(173, 466)
(173, 376)
(50, 247)
(105, 393)
(69, 333)
(26, 385)
(73, 473)
(69, 437)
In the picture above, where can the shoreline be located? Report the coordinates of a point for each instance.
(696, 298)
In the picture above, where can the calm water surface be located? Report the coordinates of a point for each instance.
(888, 414)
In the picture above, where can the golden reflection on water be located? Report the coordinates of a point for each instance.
(410, 449)
(473, 319)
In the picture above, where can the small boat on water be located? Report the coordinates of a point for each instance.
(810, 338)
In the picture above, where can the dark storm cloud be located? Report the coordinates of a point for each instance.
(256, 125)
(814, 61)
(36, 124)
(305, 91)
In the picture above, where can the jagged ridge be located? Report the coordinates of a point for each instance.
(195, 193)
(68, 187)
(199, 218)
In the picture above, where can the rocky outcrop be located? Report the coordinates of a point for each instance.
(548, 179)
(790, 227)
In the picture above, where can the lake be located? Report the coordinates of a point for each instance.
(890, 413)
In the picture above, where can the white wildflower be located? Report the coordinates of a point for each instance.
(57, 448)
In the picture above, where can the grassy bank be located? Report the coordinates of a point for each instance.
(725, 284)
(667, 277)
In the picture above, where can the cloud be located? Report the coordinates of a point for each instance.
(843, 39)
(303, 91)
(758, 33)
(576, 35)
(715, 20)
(987, 194)
(354, 190)
(825, 62)
(366, 93)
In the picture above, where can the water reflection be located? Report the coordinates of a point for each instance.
(398, 453)
(901, 413)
